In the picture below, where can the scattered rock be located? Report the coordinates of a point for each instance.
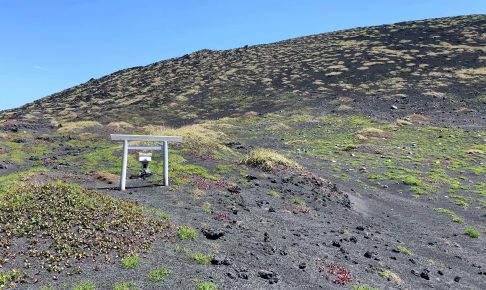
(336, 244)
(234, 189)
(243, 275)
(268, 275)
(393, 107)
(370, 254)
(425, 274)
(221, 260)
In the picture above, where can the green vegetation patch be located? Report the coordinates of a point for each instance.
(186, 233)
(130, 262)
(86, 285)
(124, 285)
(9, 277)
(272, 193)
(200, 257)
(80, 220)
(404, 250)
(449, 212)
(376, 154)
(363, 287)
(206, 285)
(298, 201)
(159, 274)
(472, 232)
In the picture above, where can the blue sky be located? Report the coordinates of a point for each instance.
(47, 46)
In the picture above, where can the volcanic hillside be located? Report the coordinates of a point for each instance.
(431, 65)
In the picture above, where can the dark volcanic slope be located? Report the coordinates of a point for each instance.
(437, 64)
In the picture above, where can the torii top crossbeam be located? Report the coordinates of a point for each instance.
(149, 138)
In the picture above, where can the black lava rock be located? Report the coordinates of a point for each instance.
(425, 274)
(212, 234)
(234, 189)
(268, 275)
(220, 260)
(369, 254)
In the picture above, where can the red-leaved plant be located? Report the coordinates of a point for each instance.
(334, 272)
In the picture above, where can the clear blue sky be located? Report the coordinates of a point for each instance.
(47, 46)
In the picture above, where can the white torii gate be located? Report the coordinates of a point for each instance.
(165, 151)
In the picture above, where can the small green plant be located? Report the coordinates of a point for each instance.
(201, 258)
(7, 277)
(125, 286)
(186, 233)
(298, 201)
(411, 180)
(159, 274)
(206, 285)
(130, 262)
(206, 207)
(472, 232)
(457, 219)
(272, 193)
(161, 214)
(86, 285)
(195, 255)
(404, 250)
(222, 168)
(449, 212)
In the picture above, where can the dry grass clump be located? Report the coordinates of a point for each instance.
(269, 160)
(250, 114)
(402, 123)
(416, 118)
(120, 126)
(392, 277)
(368, 133)
(277, 127)
(78, 126)
(196, 134)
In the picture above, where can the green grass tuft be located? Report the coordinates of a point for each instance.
(186, 233)
(125, 286)
(159, 275)
(404, 250)
(472, 232)
(86, 285)
(298, 201)
(206, 285)
(272, 193)
(130, 262)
